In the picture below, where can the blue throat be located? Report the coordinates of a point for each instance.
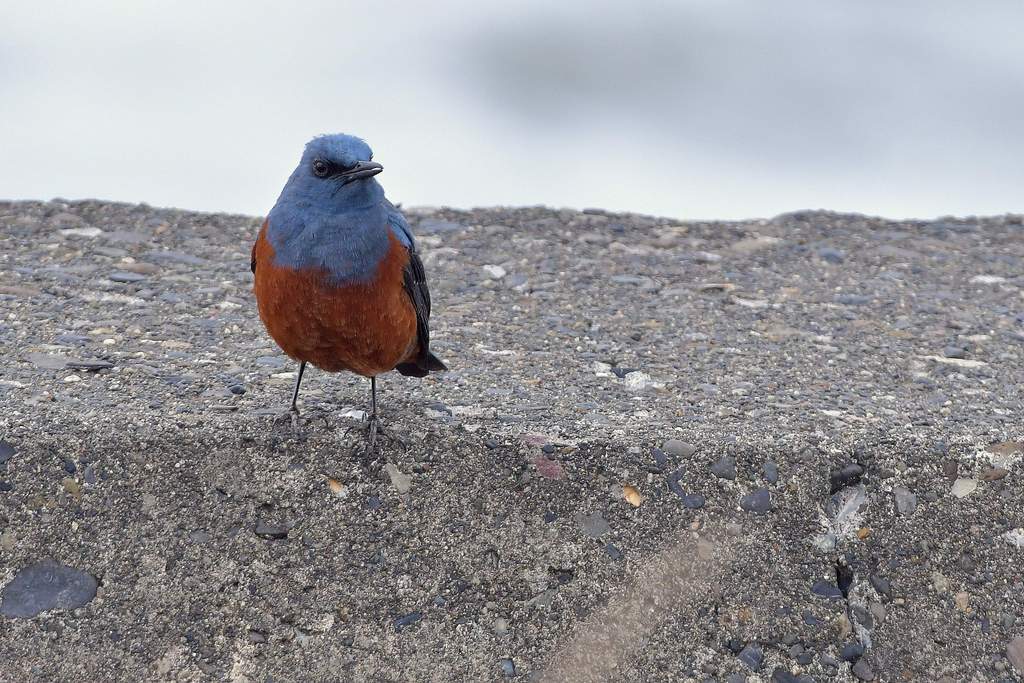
(341, 229)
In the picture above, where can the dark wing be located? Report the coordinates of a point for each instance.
(414, 279)
(252, 259)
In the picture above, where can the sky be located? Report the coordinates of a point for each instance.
(694, 109)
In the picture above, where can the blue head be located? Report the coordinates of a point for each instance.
(335, 174)
(331, 212)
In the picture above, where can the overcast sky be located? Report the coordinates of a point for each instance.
(692, 109)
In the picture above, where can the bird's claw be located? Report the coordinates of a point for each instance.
(292, 417)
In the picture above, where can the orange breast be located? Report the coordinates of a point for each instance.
(365, 328)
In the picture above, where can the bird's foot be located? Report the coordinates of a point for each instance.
(375, 431)
(290, 416)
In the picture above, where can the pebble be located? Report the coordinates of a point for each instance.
(954, 352)
(593, 525)
(847, 475)
(906, 502)
(725, 468)
(125, 277)
(780, 675)
(613, 552)
(863, 671)
(831, 254)
(493, 272)
(964, 487)
(881, 584)
(508, 668)
(266, 530)
(407, 620)
(827, 590)
(402, 482)
(500, 626)
(1015, 653)
(851, 652)
(6, 452)
(199, 536)
(771, 472)
(993, 474)
(759, 501)
(752, 657)
(44, 586)
(679, 449)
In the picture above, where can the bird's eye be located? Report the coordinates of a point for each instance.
(321, 168)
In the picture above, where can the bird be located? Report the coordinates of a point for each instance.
(339, 283)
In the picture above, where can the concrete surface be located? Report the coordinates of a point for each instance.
(778, 450)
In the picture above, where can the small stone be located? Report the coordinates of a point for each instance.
(266, 530)
(493, 272)
(752, 657)
(199, 536)
(939, 582)
(881, 584)
(993, 474)
(44, 586)
(679, 449)
(906, 502)
(851, 652)
(6, 452)
(508, 668)
(863, 671)
(725, 468)
(831, 255)
(847, 475)
(954, 352)
(964, 487)
(613, 552)
(407, 620)
(771, 472)
(758, 502)
(500, 626)
(1015, 653)
(593, 525)
(124, 276)
(877, 611)
(962, 600)
(693, 501)
(257, 636)
(827, 590)
(401, 482)
(782, 676)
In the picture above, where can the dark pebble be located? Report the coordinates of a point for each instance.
(780, 675)
(805, 658)
(660, 458)
(257, 637)
(123, 276)
(759, 501)
(863, 671)
(725, 468)
(831, 255)
(693, 501)
(6, 486)
(508, 668)
(826, 590)
(6, 452)
(852, 299)
(613, 552)
(265, 530)
(373, 503)
(548, 448)
(90, 364)
(69, 467)
(407, 620)
(237, 389)
(882, 585)
(847, 475)
(771, 472)
(678, 449)
(851, 652)
(45, 586)
(752, 657)
(954, 352)
(549, 517)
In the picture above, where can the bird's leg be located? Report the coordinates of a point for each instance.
(374, 428)
(292, 413)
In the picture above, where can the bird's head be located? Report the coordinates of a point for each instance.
(336, 170)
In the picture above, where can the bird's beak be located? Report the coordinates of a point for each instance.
(364, 169)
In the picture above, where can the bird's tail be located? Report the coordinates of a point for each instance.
(426, 362)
